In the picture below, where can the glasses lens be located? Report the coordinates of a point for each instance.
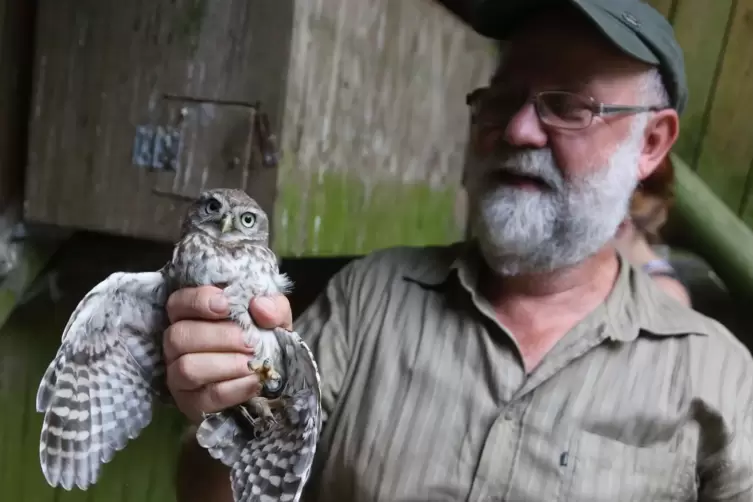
(494, 107)
(564, 109)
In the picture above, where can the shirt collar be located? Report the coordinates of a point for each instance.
(635, 306)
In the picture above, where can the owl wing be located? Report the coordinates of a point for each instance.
(97, 392)
(274, 463)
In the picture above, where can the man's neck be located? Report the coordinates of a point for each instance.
(539, 309)
(597, 273)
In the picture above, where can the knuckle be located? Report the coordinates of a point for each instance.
(174, 339)
(184, 371)
(175, 303)
(214, 398)
(232, 332)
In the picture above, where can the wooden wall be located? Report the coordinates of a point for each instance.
(716, 137)
(374, 127)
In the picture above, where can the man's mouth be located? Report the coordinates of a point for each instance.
(523, 181)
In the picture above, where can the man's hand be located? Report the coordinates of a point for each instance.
(206, 357)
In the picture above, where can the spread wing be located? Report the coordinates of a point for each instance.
(272, 463)
(97, 392)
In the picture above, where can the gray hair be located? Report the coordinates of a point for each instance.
(653, 90)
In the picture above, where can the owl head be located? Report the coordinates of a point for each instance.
(228, 215)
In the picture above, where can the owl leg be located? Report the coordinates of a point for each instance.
(268, 377)
(239, 298)
(259, 411)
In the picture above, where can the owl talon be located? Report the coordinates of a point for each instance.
(266, 373)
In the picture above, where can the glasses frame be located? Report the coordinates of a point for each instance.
(597, 109)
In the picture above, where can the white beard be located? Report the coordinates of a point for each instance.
(532, 231)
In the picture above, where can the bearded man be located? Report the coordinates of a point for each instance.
(532, 362)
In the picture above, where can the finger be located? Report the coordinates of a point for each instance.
(272, 312)
(216, 397)
(203, 302)
(193, 371)
(187, 337)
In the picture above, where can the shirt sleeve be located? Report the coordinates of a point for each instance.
(326, 327)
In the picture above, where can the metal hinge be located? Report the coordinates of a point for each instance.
(157, 147)
(270, 152)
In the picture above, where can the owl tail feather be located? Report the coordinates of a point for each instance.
(220, 435)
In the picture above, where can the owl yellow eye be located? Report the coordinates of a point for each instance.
(248, 219)
(213, 206)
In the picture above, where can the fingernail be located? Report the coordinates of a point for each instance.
(218, 304)
(265, 304)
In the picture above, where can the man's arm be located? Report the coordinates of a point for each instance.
(725, 467)
(199, 477)
(324, 326)
(728, 475)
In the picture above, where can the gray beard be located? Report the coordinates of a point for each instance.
(523, 231)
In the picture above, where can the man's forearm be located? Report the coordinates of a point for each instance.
(199, 477)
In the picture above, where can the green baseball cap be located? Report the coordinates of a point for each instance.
(634, 26)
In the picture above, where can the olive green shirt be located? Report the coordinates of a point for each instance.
(427, 398)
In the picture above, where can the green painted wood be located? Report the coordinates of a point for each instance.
(712, 230)
(703, 50)
(375, 126)
(663, 6)
(15, 380)
(727, 141)
(143, 472)
(341, 215)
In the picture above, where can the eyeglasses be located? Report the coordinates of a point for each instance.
(560, 109)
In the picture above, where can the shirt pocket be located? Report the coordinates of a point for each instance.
(603, 469)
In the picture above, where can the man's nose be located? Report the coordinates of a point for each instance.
(525, 130)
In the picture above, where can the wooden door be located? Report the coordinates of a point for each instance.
(138, 102)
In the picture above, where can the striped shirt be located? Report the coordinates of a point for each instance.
(427, 398)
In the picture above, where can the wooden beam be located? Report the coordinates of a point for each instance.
(702, 223)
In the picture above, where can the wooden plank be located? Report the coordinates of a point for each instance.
(703, 50)
(375, 126)
(16, 36)
(727, 147)
(102, 68)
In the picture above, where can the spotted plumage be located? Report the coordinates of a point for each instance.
(99, 390)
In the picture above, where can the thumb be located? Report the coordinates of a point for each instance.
(272, 312)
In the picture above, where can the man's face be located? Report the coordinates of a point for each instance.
(541, 197)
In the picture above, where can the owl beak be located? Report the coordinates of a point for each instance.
(227, 223)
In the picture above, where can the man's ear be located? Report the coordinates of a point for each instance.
(661, 133)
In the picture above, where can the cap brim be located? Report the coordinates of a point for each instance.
(488, 23)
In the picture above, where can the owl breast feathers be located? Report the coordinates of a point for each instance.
(99, 390)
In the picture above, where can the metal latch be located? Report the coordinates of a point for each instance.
(157, 147)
